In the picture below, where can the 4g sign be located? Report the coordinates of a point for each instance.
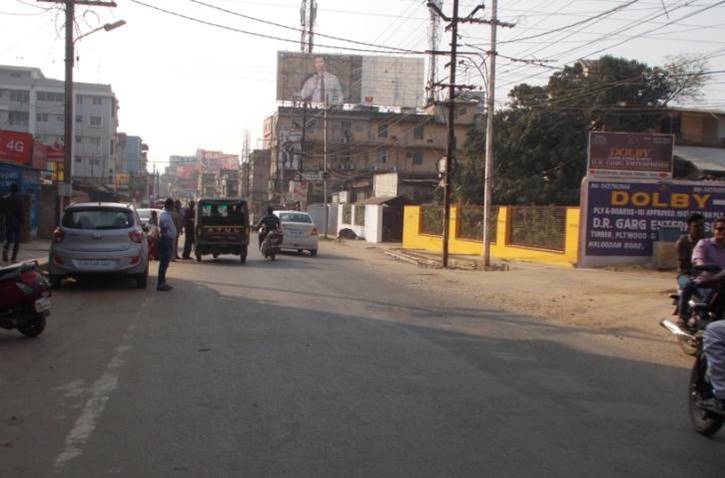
(16, 147)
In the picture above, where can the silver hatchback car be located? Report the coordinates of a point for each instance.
(99, 238)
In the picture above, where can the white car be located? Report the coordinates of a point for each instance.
(299, 232)
(145, 214)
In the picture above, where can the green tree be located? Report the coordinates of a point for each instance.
(541, 139)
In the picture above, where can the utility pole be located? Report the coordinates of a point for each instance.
(433, 40)
(324, 164)
(66, 189)
(453, 22)
(490, 109)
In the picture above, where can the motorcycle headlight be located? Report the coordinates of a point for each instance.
(26, 289)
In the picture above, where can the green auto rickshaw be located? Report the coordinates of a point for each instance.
(221, 227)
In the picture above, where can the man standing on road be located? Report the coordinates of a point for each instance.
(12, 207)
(188, 230)
(178, 217)
(167, 236)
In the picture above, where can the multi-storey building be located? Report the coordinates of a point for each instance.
(32, 103)
(360, 142)
(259, 185)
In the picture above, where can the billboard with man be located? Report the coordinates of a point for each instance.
(351, 79)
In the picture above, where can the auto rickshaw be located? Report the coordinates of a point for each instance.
(221, 227)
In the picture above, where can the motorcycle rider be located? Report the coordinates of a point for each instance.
(685, 244)
(270, 222)
(712, 251)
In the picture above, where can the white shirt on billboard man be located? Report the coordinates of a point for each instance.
(322, 84)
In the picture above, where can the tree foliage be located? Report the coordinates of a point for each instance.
(541, 138)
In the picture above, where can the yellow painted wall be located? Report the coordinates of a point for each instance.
(413, 239)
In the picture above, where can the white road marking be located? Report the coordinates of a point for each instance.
(96, 404)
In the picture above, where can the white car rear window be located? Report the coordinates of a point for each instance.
(98, 218)
(295, 217)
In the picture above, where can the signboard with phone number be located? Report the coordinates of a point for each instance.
(623, 218)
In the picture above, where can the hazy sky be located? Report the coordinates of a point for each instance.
(184, 85)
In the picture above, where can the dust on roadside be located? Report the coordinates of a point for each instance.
(624, 304)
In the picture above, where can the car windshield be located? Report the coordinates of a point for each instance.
(98, 218)
(222, 213)
(295, 217)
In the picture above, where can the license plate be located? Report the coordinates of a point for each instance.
(96, 264)
(294, 233)
(42, 305)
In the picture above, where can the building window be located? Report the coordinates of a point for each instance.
(79, 139)
(16, 75)
(95, 141)
(59, 118)
(79, 118)
(41, 117)
(97, 100)
(418, 132)
(78, 159)
(383, 156)
(382, 130)
(79, 100)
(96, 121)
(417, 158)
(40, 96)
(18, 118)
(19, 96)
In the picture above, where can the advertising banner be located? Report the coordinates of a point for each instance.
(311, 77)
(622, 218)
(353, 79)
(630, 155)
(16, 147)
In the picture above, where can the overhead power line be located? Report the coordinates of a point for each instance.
(263, 35)
(575, 24)
(295, 29)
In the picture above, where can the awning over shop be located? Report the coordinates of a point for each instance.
(707, 160)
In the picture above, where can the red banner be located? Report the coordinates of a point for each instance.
(16, 147)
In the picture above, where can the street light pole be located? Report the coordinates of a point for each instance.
(324, 165)
(64, 188)
(488, 175)
(65, 191)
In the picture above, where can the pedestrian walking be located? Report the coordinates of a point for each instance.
(188, 230)
(178, 218)
(13, 210)
(167, 236)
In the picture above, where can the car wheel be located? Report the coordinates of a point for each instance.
(300, 251)
(313, 252)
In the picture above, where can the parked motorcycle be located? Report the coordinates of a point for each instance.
(704, 420)
(271, 244)
(24, 299)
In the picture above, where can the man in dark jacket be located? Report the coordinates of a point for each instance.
(270, 222)
(13, 210)
(188, 230)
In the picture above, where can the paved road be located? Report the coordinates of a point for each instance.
(328, 366)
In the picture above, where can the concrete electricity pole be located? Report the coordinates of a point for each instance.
(490, 109)
(453, 22)
(65, 189)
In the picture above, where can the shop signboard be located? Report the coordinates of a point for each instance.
(621, 219)
(630, 155)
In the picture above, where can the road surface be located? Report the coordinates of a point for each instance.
(329, 366)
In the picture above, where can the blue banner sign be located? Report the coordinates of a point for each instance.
(623, 218)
